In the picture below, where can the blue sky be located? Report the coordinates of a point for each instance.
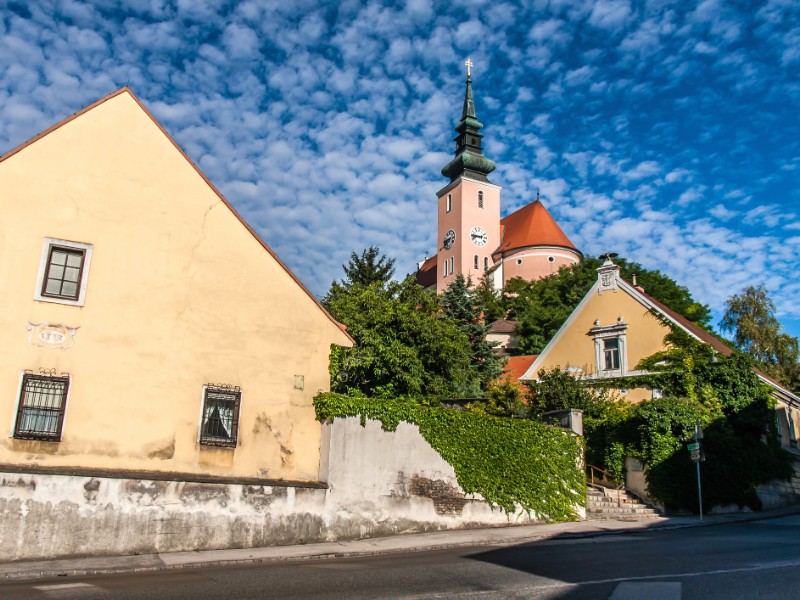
(665, 131)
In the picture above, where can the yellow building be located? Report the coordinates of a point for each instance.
(616, 325)
(145, 329)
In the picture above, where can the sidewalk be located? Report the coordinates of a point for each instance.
(464, 538)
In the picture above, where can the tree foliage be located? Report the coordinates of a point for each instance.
(604, 415)
(696, 385)
(735, 408)
(750, 316)
(404, 345)
(368, 268)
(460, 303)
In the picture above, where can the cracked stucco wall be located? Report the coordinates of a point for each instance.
(379, 483)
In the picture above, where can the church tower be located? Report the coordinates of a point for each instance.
(469, 206)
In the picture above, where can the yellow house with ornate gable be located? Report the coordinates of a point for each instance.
(145, 329)
(616, 325)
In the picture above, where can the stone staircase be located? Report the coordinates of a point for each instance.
(607, 503)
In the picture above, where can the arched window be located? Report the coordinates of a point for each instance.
(449, 205)
(486, 263)
(451, 264)
(445, 267)
(477, 261)
(480, 199)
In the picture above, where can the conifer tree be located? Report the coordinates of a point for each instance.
(460, 303)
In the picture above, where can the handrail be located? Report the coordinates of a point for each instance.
(602, 478)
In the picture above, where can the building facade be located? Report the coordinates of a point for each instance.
(145, 328)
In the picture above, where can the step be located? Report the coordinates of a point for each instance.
(623, 510)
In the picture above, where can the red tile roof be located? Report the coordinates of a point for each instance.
(516, 366)
(503, 326)
(426, 275)
(532, 225)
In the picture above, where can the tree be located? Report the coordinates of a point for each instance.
(404, 345)
(750, 316)
(604, 415)
(370, 267)
(460, 303)
(736, 410)
(489, 298)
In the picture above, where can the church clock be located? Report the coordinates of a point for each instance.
(479, 236)
(449, 239)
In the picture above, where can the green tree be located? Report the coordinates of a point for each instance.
(460, 304)
(604, 415)
(370, 267)
(736, 410)
(490, 298)
(750, 316)
(404, 345)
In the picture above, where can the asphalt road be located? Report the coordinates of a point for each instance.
(758, 560)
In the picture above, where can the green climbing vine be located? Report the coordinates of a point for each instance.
(512, 463)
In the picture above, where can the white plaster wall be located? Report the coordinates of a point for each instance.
(379, 483)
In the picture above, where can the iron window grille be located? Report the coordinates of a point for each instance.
(62, 278)
(220, 423)
(42, 401)
(480, 199)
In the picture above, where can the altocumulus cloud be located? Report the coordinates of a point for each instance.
(660, 130)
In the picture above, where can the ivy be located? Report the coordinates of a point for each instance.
(512, 463)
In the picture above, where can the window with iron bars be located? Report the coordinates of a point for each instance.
(42, 400)
(220, 424)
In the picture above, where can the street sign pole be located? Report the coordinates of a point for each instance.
(699, 490)
(698, 435)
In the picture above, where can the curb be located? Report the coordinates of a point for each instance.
(717, 520)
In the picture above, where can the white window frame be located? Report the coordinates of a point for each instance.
(84, 282)
(238, 417)
(452, 265)
(602, 333)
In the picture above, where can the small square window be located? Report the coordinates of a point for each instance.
(63, 272)
(220, 419)
(40, 414)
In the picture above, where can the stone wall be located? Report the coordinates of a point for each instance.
(378, 483)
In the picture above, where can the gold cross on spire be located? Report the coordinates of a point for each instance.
(469, 66)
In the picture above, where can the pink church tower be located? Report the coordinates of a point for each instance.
(472, 238)
(469, 206)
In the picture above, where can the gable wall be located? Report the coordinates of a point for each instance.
(575, 346)
(180, 294)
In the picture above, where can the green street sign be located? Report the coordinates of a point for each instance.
(694, 446)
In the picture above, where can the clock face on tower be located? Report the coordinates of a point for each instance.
(449, 239)
(479, 236)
